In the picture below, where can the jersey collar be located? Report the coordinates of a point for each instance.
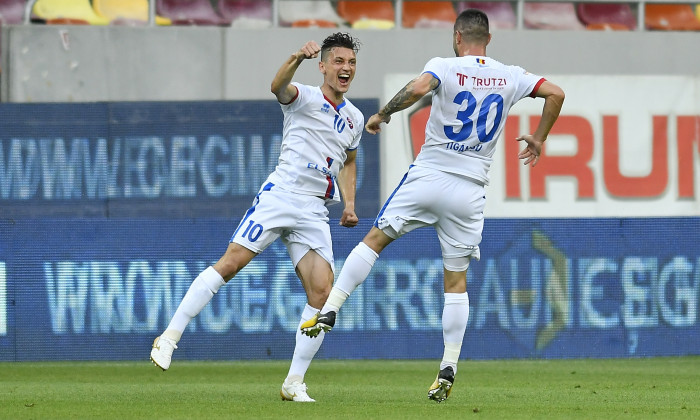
(336, 107)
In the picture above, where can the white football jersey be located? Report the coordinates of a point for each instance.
(316, 137)
(469, 111)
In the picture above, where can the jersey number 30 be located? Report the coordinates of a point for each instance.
(466, 117)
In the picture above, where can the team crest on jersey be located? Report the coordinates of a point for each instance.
(349, 122)
(326, 108)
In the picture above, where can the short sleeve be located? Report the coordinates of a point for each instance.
(526, 82)
(437, 67)
(300, 98)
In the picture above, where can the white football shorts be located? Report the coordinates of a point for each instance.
(301, 221)
(452, 203)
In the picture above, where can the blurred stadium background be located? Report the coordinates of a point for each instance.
(133, 135)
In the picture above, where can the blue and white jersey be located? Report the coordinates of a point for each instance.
(469, 111)
(317, 135)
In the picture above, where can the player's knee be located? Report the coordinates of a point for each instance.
(234, 259)
(321, 290)
(318, 295)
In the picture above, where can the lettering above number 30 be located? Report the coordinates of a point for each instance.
(466, 115)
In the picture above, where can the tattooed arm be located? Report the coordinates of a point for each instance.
(409, 95)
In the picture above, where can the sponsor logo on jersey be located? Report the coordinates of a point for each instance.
(325, 171)
(461, 78)
(489, 82)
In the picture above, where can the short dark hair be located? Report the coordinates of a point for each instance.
(339, 39)
(473, 24)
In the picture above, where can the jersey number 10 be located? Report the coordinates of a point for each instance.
(339, 123)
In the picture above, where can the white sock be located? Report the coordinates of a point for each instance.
(455, 315)
(202, 289)
(305, 349)
(354, 272)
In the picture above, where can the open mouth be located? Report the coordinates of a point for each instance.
(344, 79)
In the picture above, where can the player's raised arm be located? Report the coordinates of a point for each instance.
(409, 95)
(553, 100)
(281, 86)
(347, 182)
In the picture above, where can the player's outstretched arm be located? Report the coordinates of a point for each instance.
(347, 182)
(553, 100)
(281, 86)
(409, 95)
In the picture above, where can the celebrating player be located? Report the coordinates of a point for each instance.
(322, 130)
(444, 187)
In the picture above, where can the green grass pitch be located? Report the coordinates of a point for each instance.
(654, 388)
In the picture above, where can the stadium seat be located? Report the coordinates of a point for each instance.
(314, 23)
(373, 24)
(246, 13)
(67, 21)
(367, 14)
(551, 16)
(607, 27)
(671, 17)
(126, 12)
(612, 16)
(428, 14)
(501, 14)
(189, 12)
(12, 11)
(67, 12)
(308, 13)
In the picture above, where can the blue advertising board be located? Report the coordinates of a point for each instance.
(150, 159)
(556, 288)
